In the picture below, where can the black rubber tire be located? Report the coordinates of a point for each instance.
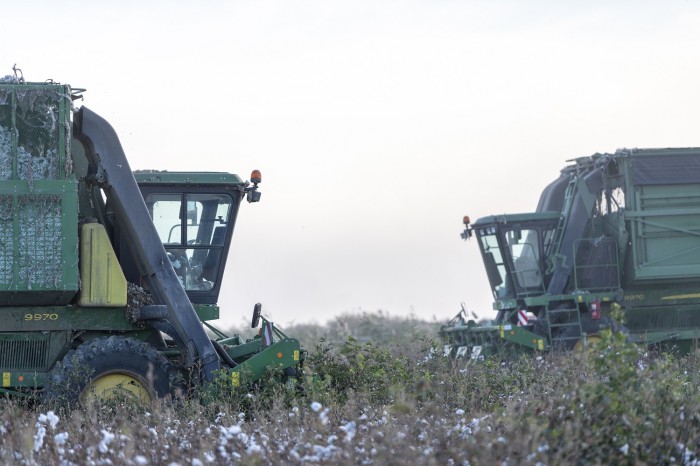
(572, 336)
(113, 355)
(590, 327)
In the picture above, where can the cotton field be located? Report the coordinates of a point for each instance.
(398, 402)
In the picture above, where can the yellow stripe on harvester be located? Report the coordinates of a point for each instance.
(6, 379)
(682, 296)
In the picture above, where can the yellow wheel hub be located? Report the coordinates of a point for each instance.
(117, 386)
(591, 342)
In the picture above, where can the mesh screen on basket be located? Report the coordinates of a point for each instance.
(34, 132)
(6, 133)
(40, 263)
(6, 239)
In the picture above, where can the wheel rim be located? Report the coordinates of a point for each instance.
(118, 386)
(591, 342)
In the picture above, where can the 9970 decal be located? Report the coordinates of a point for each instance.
(41, 316)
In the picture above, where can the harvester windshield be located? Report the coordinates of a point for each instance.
(495, 264)
(192, 228)
(514, 253)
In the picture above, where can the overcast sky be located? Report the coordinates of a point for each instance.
(376, 124)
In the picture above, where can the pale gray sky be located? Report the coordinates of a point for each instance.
(376, 124)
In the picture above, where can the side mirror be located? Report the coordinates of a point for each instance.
(253, 196)
(257, 310)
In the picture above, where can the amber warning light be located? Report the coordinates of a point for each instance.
(253, 194)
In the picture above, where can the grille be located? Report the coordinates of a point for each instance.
(23, 354)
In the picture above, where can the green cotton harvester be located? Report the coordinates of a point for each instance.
(109, 279)
(615, 235)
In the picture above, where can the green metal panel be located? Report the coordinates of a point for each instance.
(666, 231)
(206, 312)
(245, 350)
(283, 353)
(524, 337)
(144, 177)
(516, 218)
(54, 318)
(684, 340)
(38, 242)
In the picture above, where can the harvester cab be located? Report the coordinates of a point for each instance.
(194, 215)
(112, 274)
(613, 244)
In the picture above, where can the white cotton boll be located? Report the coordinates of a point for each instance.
(475, 424)
(39, 437)
(49, 418)
(324, 453)
(350, 430)
(60, 439)
(107, 438)
(253, 447)
(316, 406)
(323, 416)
